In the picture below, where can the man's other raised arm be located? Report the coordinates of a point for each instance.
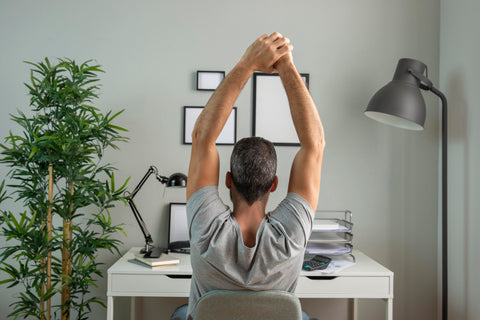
(307, 166)
(204, 159)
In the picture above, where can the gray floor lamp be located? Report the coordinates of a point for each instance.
(400, 103)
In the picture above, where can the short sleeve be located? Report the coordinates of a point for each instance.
(294, 216)
(203, 208)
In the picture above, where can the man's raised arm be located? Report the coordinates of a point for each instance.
(306, 168)
(204, 160)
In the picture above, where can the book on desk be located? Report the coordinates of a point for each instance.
(162, 261)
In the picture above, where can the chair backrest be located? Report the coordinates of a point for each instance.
(248, 305)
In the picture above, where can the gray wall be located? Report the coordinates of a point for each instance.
(459, 70)
(151, 50)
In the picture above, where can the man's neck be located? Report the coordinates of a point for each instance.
(249, 219)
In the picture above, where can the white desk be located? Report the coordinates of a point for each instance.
(366, 279)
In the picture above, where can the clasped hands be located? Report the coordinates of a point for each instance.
(268, 53)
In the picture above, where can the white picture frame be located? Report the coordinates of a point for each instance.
(228, 136)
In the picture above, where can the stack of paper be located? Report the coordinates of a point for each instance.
(327, 248)
(320, 225)
(328, 237)
(337, 264)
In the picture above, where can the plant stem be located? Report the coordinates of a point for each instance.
(67, 260)
(42, 288)
(49, 237)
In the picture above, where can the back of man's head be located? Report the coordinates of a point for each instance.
(253, 166)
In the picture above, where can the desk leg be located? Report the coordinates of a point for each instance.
(132, 308)
(353, 309)
(389, 309)
(109, 308)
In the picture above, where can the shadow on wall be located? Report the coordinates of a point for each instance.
(459, 164)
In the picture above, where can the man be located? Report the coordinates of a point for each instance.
(247, 248)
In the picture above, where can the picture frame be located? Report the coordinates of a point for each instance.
(209, 80)
(271, 115)
(228, 136)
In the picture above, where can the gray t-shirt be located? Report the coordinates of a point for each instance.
(219, 258)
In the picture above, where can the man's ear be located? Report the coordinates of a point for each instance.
(228, 180)
(274, 184)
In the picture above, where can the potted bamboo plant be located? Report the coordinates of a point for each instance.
(57, 172)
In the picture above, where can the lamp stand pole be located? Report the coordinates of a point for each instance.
(444, 205)
(426, 84)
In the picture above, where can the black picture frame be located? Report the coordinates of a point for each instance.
(228, 136)
(271, 117)
(209, 80)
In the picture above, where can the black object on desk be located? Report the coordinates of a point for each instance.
(179, 247)
(317, 262)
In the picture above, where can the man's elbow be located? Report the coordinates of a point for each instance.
(321, 143)
(201, 136)
(317, 145)
(320, 146)
(195, 134)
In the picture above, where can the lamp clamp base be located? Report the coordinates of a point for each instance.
(153, 252)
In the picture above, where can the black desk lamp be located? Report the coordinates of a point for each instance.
(178, 180)
(401, 104)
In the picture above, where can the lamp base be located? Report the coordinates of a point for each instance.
(154, 252)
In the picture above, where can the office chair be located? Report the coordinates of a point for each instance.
(248, 305)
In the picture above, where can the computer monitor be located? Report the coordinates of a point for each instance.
(178, 236)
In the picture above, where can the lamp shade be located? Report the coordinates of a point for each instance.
(400, 102)
(177, 180)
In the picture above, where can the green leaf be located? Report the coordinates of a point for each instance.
(7, 281)
(112, 181)
(32, 153)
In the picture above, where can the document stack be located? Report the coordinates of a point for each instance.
(332, 234)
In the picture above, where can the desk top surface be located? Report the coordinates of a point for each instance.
(364, 266)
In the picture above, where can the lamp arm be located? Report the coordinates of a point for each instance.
(141, 223)
(150, 170)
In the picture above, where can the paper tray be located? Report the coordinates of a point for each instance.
(329, 248)
(331, 237)
(331, 225)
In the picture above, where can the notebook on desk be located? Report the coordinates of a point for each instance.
(178, 236)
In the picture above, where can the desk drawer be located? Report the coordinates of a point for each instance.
(344, 287)
(144, 285)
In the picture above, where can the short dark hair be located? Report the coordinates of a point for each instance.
(253, 166)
